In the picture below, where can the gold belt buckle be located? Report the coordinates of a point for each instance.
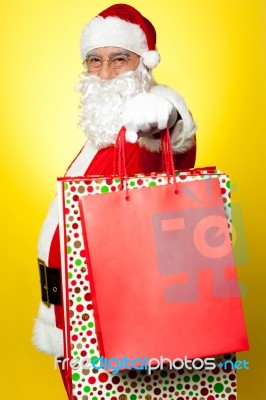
(41, 263)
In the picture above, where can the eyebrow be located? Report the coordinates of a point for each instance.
(114, 53)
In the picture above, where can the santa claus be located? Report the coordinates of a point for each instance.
(118, 50)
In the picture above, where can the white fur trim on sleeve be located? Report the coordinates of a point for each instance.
(183, 132)
(46, 336)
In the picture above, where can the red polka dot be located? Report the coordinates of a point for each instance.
(79, 308)
(120, 388)
(90, 189)
(87, 297)
(83, 353)
(73, 189)
(73, 283)
(139, 181)
(232, 397)
(115, 380)
(74, 338)
(67, 210)
(82, 253)
(75, 226)
(103, 377)
(92, 380)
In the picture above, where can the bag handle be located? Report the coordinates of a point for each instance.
(167, 159)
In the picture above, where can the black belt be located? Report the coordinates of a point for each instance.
(50, 284)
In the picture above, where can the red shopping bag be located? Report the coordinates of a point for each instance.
(163, 278)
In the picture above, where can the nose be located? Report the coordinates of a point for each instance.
(106, 72)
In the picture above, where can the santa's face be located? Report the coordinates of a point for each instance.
(108, 62)
(103, 95)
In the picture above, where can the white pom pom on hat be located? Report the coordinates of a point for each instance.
(122, 26)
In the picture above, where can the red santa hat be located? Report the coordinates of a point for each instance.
(121, 26)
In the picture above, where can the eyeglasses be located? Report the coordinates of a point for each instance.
(92, 63)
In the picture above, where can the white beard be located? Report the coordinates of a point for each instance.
(102, 103)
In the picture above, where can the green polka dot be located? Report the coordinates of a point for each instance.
(108, 394)
(163, 373)
(83, 328)
(75, 376)
(104, 189)
(76, 329)
(166, 382)
(117, 180)
(90, 324)
(68, 201)
(225, 382)
(195, 378)
(132, 183)
(70, 275)
(65, 186)
(190, 393)
(97, 361)
(210, 379)
(133, 397)
(228, 184)
(143, 372)
(179, 386)
(87, 389)
(78, 262)
(92, 351)
(139, 379)
(165, 388)
(94, 398)
(69, 249)
(75, 353)
(79, 299)
(142, 391)
(218, 388)
(152, 183)
(68, 225)
(186, 378)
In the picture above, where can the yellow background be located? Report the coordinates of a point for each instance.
(213, 53)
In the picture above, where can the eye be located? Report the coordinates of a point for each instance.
(118, 61)
(94, 60)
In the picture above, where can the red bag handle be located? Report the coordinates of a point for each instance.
(167, 158)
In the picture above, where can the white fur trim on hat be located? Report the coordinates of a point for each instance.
(115, 32)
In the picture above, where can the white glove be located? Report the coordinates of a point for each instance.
(144, 113)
